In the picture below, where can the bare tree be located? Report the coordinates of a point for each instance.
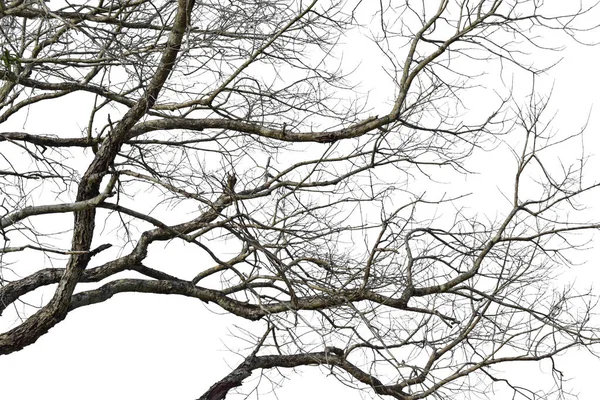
(235, 127)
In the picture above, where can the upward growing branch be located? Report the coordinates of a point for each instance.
(237, 134)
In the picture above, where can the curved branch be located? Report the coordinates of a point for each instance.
(89, 187)
(82, 205)
(331, 356)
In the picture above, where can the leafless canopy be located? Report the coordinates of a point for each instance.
(236, 133)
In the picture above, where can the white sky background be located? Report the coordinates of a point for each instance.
(140, 346)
